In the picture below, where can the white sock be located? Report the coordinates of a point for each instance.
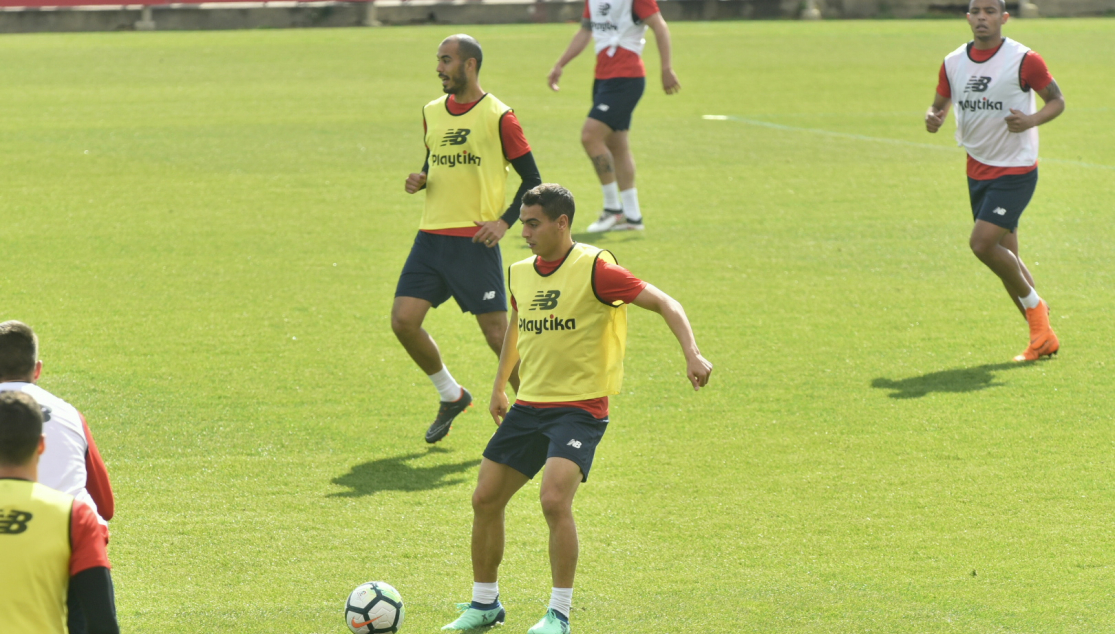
(561, 599)
(631, 204)
(611, 196)
(1032, 300)
(446, 385)
(485, 593)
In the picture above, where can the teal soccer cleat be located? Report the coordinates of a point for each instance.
(553, 623)
(474, 618)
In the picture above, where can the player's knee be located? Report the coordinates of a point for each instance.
(402, 326)
(555, 505)
(485, 502)
(590, 139)
(981, 247)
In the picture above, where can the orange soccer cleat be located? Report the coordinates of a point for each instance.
(1043, 341)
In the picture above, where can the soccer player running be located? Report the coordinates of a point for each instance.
(471, 139)
(617, 27)
(569, 331)
(50, 543)
(72, 463)
(992, 80)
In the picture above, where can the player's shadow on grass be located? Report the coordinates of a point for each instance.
(955, 381)
(396, 474)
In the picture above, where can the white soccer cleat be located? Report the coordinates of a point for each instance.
(606, 221)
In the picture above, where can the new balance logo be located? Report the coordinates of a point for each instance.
(978, 84)
(14, 523)
(489, 295)
(456, 137)
(1000, 211)
(545, 300)
(603, 107)
(576, 444)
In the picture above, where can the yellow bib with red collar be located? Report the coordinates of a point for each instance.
(571, 343)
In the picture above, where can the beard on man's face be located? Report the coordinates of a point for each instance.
(456, 83)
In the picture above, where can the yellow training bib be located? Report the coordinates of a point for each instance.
(571, 343)
(35, 551)
(467, 178)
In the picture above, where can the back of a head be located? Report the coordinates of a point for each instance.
(554, 199)
(19, 350)
(21, 427)
(468, 48)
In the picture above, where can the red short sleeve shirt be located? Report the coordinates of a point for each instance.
(88, 540)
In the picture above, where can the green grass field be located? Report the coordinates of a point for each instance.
(206, 230)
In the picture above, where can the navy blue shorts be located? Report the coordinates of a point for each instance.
(614, 101)
(440, 267)
(1001, 201)
(531, 435)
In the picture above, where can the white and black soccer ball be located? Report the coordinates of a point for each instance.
(373, 608)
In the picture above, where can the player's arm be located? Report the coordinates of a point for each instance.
(517, 151)
(90, 577)
(657, 24)
(698, 368)
(1054, 106)
(92, 588)
(935, 116)
(580, 41)
(96, 478)
(508, 359)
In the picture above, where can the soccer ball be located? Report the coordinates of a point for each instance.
(373, 608)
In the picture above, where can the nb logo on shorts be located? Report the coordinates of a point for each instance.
(576, 444)
(455, 137)
(545, 300)
(14, 523)
(978, 84)
(1000, 211)
(489, 295)
(603, 107)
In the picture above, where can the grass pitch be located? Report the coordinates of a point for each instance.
(206, 230)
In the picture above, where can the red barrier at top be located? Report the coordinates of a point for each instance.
(39, 4)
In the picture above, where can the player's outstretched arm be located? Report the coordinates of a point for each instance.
(508, 358)
(657, 24)
(936, 114)
(580, 41)
(1054, 106)
(698, 368)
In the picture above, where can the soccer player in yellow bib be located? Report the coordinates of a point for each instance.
(568, 334)
(472, 139)
(50, 544)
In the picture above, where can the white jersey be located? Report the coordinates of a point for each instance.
(984, 93)
(614, 24)
(62, 465)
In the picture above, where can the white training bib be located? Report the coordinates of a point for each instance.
(984, 93)
(614, 24)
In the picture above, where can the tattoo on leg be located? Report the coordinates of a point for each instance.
(603, 164)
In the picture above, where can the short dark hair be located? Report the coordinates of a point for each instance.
(555, 200)
(1002, 5)
(19, 350)
(468, 48)
(21, 427)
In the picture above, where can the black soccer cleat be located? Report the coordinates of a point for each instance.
(445, 415)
